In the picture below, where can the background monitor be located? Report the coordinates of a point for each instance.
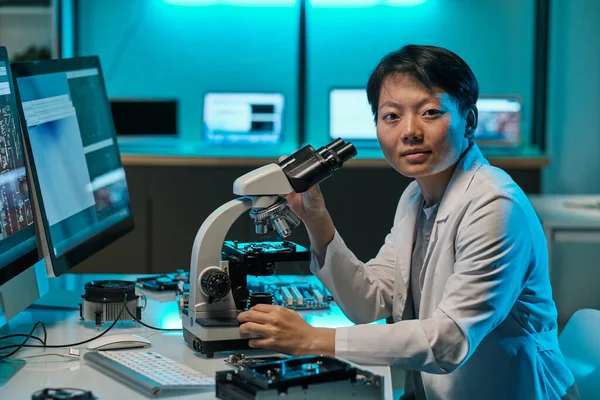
(350, 116)
(79, 186)
(243, 118)
(499, 121)
(144, 117)
(22, 277)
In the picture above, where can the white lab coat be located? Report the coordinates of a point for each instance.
(487, 322)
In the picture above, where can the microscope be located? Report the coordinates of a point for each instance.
(218, 279)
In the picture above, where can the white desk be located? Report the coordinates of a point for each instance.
(65, 327)
(566, 224)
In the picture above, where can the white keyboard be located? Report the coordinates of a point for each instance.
(149, 372)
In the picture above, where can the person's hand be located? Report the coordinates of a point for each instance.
(283, 330)
(308, 206)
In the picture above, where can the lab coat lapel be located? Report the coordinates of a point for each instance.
(407, 234)
(471, 161)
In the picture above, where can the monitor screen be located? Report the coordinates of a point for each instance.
(350, 115)
(23, 279)
(499, 121)
(131, 116)
(17, 234)
(243, 118)
(79, 182)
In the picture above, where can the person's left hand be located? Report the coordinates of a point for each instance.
(285, 331)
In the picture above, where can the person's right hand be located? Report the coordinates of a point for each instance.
(308, 206)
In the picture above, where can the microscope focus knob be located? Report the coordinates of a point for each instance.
(215, 283)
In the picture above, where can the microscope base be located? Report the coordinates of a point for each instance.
(209, 347)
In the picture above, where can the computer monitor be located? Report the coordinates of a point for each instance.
(243, 118)
(79, 186)
(350, 116)
(138, 117)
(499, 121)
(23, 277)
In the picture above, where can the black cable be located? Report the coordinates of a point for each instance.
(55, 346)
(29, 336)
(21, 335)
(20, 346)
(152, 327)
(44, 345)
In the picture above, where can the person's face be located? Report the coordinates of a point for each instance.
(421, 133)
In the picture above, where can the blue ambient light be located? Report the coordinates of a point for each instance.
(249, 3)
(365, 3)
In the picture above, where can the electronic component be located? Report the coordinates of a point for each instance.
(295, 295)
(103, 301)
(307, 377)
(165, 282)
(240, 361)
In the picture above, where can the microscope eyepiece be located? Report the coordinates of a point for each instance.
(303, 169)
(346, 152)
(307, 166)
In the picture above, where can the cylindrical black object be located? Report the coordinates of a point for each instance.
(103, 301)
(261, 268)
(260, 298)
(241, 296)
(63, 394)
(215, 284)
(307, 166)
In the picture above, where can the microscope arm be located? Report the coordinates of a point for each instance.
(206, 254)
(263, 190)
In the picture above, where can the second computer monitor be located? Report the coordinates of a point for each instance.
(79, 183)
(243, 118)
(499, 122)
(350, 116)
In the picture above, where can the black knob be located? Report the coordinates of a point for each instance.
(260, 298)
(216, 283)
(240, 296)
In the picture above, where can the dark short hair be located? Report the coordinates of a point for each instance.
(433, 67)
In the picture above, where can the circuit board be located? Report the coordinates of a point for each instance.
(295, 295)
(303, 294)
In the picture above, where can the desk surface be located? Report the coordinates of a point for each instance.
(178, 152)
(567, 211)
(161, 311)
